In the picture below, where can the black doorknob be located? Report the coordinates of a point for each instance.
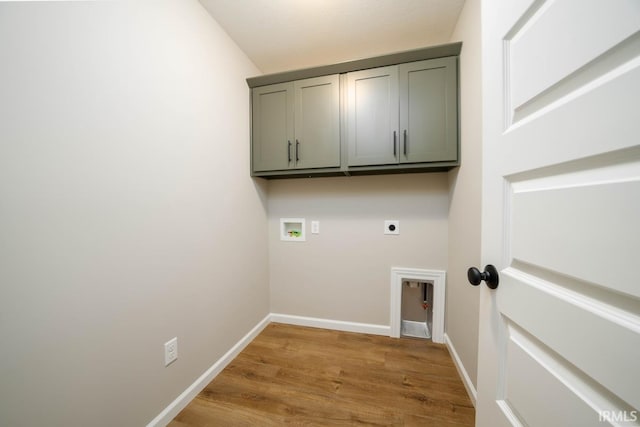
(489, 275)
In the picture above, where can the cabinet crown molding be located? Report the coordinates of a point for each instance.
(432, 52)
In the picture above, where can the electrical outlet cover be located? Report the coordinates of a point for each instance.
(170, 351)
(391, 226)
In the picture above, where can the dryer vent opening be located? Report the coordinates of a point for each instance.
(417, 309)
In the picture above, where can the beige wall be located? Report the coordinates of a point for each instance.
(343, 273)
(127, 215)
(465, 184)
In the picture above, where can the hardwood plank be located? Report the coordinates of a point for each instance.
(418, 421)
(307, 376)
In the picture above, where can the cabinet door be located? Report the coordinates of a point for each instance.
(317, 123)
(272, 127)
(372, 116)
(428, 111)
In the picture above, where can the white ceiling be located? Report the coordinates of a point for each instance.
(281, 35)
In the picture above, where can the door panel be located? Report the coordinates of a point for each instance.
(317, 122)
(428, 111)
(579, 221)
(553, 313)
(541, 38)
(272, 126)
(560, 337)
(372, 116)
(560, 394)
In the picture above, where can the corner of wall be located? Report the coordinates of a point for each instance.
(465, 202)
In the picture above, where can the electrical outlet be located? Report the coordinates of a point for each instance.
(392, 226)
(170, 351)
(315, 227)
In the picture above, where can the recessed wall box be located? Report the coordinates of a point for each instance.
(292, 229)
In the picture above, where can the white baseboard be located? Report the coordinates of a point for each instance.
(339, 325)
(466, 380)
(198, 385)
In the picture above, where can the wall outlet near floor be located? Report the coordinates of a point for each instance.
(170, 351)
(391, 226)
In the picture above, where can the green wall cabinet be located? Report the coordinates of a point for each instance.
(403, 114)
(296, 125)
(396, 113)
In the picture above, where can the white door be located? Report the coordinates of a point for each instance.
(560, 336)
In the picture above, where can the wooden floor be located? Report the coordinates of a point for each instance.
(292, 375)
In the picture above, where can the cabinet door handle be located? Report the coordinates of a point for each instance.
(297, 145)
(289, 151)
(394, 143)
(405, 142)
